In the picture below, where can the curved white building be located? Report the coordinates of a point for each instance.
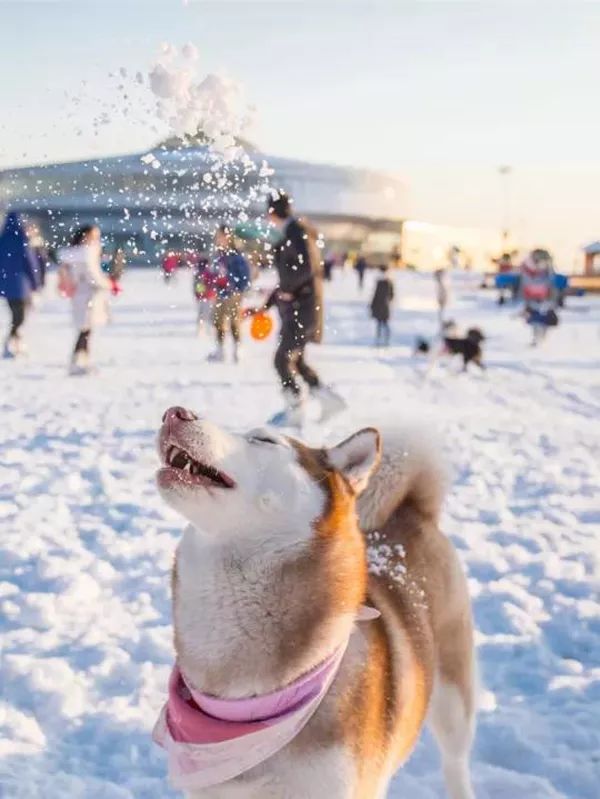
(153, 201)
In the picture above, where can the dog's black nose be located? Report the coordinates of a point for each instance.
(177, 412)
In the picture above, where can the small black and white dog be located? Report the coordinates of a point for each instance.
(468, 347)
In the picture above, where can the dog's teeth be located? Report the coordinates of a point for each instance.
(179, 459)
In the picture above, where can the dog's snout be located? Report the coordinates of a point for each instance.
(177, 413)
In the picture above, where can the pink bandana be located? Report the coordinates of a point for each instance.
(210, 740)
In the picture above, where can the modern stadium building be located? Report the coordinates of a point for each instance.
(151, 202)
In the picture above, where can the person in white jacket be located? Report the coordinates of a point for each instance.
(86, 284)
(442, 293)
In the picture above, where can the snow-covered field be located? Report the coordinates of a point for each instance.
(86, 544)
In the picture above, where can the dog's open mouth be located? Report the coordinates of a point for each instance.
(189, 470)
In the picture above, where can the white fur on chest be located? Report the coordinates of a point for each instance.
(233, 606)
(222, 594)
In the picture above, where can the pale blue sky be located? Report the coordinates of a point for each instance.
(439, 92)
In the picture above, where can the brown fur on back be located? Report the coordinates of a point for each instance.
(419, 587)
(430, 598)
(425, 625)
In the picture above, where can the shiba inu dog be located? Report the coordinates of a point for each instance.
(320, 615)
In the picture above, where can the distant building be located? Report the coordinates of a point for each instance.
(592, 258)
(428, 246)
(148, 203)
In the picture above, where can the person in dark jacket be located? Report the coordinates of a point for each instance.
(19, 279)
(380, 307)
(299, 301)
(231, 280)
(361, 266)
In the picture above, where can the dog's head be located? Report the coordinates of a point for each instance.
(230, 485)
(475, 334)
(449, 327)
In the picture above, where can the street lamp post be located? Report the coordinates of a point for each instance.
(505, 172)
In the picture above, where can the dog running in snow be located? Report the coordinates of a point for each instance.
(468, 346)
(320, 615)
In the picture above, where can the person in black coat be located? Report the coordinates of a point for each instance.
(361, 266)
(298, 298)
(380, 307)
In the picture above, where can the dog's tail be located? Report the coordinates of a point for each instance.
(410, 472)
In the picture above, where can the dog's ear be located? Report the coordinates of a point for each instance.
(357, 457)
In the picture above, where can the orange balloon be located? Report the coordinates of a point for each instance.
(261, 326)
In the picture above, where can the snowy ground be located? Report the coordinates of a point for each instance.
(86, 543)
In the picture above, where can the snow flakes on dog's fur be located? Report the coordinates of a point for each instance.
(385, 560)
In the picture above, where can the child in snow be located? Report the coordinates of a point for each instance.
(170, 265)
(539, 295)
(232, 279)
(205, 292)
(380, 307)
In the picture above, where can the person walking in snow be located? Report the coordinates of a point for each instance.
(87, 285)
(20, 278)
(205, 293)
(298, 298)
(360, 266)
(442, 293)
(380, 307)
(117, 264)
(170, 264)
(538, 292)
(232, 279)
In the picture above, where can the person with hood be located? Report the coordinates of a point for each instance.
(298, 298)
(19, 279)
(87, 285)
